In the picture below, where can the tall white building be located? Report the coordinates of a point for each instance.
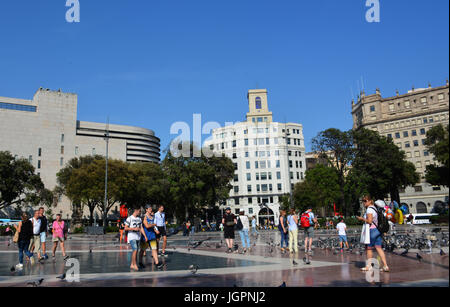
(269, 158)
(45, 130)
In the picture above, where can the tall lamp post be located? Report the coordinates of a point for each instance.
(286, 135)
(106, 168)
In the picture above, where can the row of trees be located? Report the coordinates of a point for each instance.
(362, 161)
(182, 185)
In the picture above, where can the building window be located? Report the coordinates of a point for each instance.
(236, 178)
(246, 154)
(258, 104)
(30, 159)
(413, 132)
(372, 108)
(277, 164)
(250, 201)
(93, 151)
(397, 135)
(234, 143)
(17, 107)
(422, 131)
(249, 177)
(407, 104)
(250, 210)
(234, 155)
(247, 164)
(61, 162)
(405, 134)
(249, 188)
(235, 166)
(407, 145)
(389, 136)
(426, 153)
(62, 138)
(391, 107)
(278, 175)
(441, 97)
(62, 150)
(39, 164)
(279, 187)
(236, 189)
(416, 143)
(418, 188)
(39, 152)
(246, 142)
(76, 150)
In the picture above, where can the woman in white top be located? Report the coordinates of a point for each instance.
(376, 239)
(243, 233)
(293, 231)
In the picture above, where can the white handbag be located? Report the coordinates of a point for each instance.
(365, 234)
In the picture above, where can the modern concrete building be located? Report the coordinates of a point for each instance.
(269, 159)
(45, 130)
(406, 119)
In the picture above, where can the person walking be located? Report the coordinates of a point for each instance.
(284, 230)
(243, 233)
(25, 230)
(133, 225)
(229, 220)
(160, 221)
(254, 230)
(35, 242)
(293, 231)
(308, 221)
(59, 236)
(342, 232)
(121, 230)
(43, 232)
(376, 238)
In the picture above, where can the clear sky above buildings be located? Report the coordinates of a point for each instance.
(151, 63)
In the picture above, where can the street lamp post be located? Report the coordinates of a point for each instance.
(286, 134)
(106, 168)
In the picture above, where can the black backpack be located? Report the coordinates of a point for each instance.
(239, 225)
(382, 223)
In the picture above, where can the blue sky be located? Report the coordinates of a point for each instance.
(151, 63)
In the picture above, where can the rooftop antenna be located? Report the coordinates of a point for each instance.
(351, 92)
(362, 83)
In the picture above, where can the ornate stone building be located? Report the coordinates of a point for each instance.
(406, 118)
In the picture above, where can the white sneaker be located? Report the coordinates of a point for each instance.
(19, 266)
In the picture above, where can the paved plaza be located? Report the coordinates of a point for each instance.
(104, 262)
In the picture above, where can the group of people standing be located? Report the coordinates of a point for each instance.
(289, 226)
(31, 237)
(144, 233)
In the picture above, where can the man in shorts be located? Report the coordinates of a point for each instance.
(309, 231)
(43, 234)
(133, 225)
(35, 242)
(160, 221)
(229, 220)
(342, 228)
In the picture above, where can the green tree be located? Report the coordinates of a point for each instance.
(380, 166)
(193, 183)
(19, 184)
(336, 147)
(73, 189)
(437, 142)
(320, 189)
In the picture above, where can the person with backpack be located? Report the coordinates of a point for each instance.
(229, 220)
(283, 227)
(243, 226)
(308, 222)
(293, 231)
(24, 233)
(375, 218)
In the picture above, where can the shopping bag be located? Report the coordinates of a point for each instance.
(365, 234)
